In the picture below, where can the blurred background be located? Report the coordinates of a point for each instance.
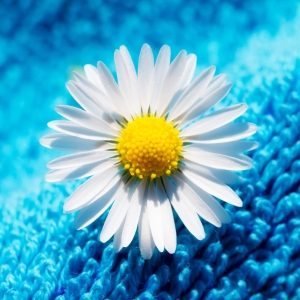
(41, 42)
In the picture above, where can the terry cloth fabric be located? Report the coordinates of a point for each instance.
(256, 257)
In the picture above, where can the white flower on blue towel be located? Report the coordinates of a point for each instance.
(146, 149)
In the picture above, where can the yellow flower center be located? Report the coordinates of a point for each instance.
(149, 147)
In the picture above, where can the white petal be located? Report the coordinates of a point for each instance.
(214, 205)
(118, 211)
(226, 148)
(125, 84)
(113, 91)
(225, 176)
(215, 120)
(170, 237)
(199, 205)
(160, 71)
(81, 158)
(77, 130)
(145, 73)
(186, 78)
(92, 75)
(187, 215)
(145, 237)
(87, 101)
(171, 82)
(205, 104)
(192, 93)
(89, 91)
(132, 76)
(227, 133)
(92, 189)
(93, 211)
(93, 100)
(189, 70)
(70, 143)
(118, 238)
(82, 171)
(212, 185)
(155, 217)
(245, 158)
(217, 161)
(85, 119)
(214, 84)
(133, 214)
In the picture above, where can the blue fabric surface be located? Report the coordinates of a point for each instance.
(256, 257)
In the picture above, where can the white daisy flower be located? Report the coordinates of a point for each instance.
(146, 147)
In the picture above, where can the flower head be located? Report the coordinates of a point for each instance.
(147, 147)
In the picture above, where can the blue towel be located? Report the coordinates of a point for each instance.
(256, 257)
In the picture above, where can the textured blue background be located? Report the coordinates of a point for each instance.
(255, 257)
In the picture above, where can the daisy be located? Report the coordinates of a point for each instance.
(148, 149)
